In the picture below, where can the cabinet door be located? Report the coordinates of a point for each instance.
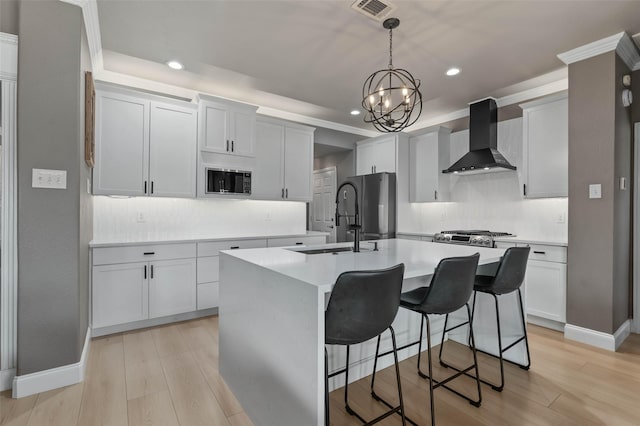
(423, 182)
(384, 155)
(298, 164)
(172, 158)
(214, 122)
(172, 287)
(364, 159)
(119, 294)
(242, 125)
(122, 145)
(546, 287)
(267, 180)
(546, 144)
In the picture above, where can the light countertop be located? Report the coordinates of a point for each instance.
(321, 270)
(526, 239)
(192, 239)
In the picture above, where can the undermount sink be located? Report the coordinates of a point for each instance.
(333, 250)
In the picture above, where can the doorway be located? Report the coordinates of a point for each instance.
(323, 204)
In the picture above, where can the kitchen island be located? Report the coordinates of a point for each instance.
(272, 304)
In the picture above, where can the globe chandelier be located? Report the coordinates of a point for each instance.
(391, 97)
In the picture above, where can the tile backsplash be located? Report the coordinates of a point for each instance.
(146, 218)
(493, 200)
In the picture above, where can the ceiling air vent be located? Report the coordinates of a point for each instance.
(374, 9)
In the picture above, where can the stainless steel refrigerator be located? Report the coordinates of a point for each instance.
(377, 203)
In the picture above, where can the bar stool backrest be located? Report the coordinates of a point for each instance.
(451, 285)
(362, 305)
(510, 274)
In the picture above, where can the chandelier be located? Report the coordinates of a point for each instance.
(390, 96)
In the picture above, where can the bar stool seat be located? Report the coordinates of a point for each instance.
(449, 290)
(362, 305)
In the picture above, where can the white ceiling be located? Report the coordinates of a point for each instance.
(311, 57)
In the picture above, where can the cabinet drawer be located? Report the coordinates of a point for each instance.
(291, 241)
(208, 295)
(548, 253)
(127, 254)
(208, 269)
(213, 248)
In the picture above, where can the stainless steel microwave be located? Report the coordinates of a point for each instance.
(224, 181)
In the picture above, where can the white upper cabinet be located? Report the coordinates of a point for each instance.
(122, 144)
(172, 154)
(546, 147)
(376, 155)
(428, 156)
(284, 161)
(144, 145)
(227, 127)
(298, 164)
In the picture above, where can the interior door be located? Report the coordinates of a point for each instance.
(323, 205)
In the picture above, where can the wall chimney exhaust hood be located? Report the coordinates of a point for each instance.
(483, 155)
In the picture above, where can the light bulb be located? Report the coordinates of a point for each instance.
(381, 91)
(406, 100)
(386, 103)
(372, 100)
(404, 91)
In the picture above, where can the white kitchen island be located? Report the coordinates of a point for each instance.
(272, 304)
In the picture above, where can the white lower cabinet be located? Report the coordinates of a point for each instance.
(172, 287)
(120, 293)
(137, 283)
(547, 290)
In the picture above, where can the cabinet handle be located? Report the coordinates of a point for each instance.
(375, 169)
(435, 194)
(152, 187)
(145, 186)
(286, 193)
(371, 169)
(524, 189)
(540, 252)
(145, 272)
(232, 146)
(234, 247)
(227, 145)
(148, 253)
(151, 271)
(298, 244)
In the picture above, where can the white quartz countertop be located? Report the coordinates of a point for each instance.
(119, 241)
(517, 239)
(321, 270)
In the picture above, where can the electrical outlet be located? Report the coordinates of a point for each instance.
(50, 179)
(595, 190)
(140, 217)
(561, 218)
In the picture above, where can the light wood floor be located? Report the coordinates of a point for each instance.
(169, 376)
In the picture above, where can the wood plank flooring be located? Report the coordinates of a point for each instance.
(169, 376)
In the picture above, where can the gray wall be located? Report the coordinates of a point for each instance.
(9, 16)
(599, 152)
(336, 138)
(53, 225)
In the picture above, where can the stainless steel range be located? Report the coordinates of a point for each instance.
(470, 237)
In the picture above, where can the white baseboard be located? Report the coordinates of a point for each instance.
(6, 378)
(546, 323)
(42, 381)
(607, 341)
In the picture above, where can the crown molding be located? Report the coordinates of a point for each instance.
(8, 56)
(544, 90)
(304, 119)
(624, 46)
(92, 27)
(628, 52)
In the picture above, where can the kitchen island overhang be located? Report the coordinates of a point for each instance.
(272, 304)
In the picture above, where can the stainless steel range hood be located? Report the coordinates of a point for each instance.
(483, 155)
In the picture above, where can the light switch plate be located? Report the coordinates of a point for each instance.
(595, 190)
(50, 179)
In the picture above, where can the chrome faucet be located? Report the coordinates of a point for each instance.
(356, 226)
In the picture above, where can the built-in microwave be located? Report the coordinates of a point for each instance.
(225, 181)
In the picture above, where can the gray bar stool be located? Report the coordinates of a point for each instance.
(509, 278)
(363, 304)
(449, 290)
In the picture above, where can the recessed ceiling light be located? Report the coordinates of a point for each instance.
(355, 112)
(453, 71)
(175, 65)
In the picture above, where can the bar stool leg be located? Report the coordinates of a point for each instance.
(499, 388)
(395, 356)
(524, 330)
(375, 365)
(472, 340)
(430, 376)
